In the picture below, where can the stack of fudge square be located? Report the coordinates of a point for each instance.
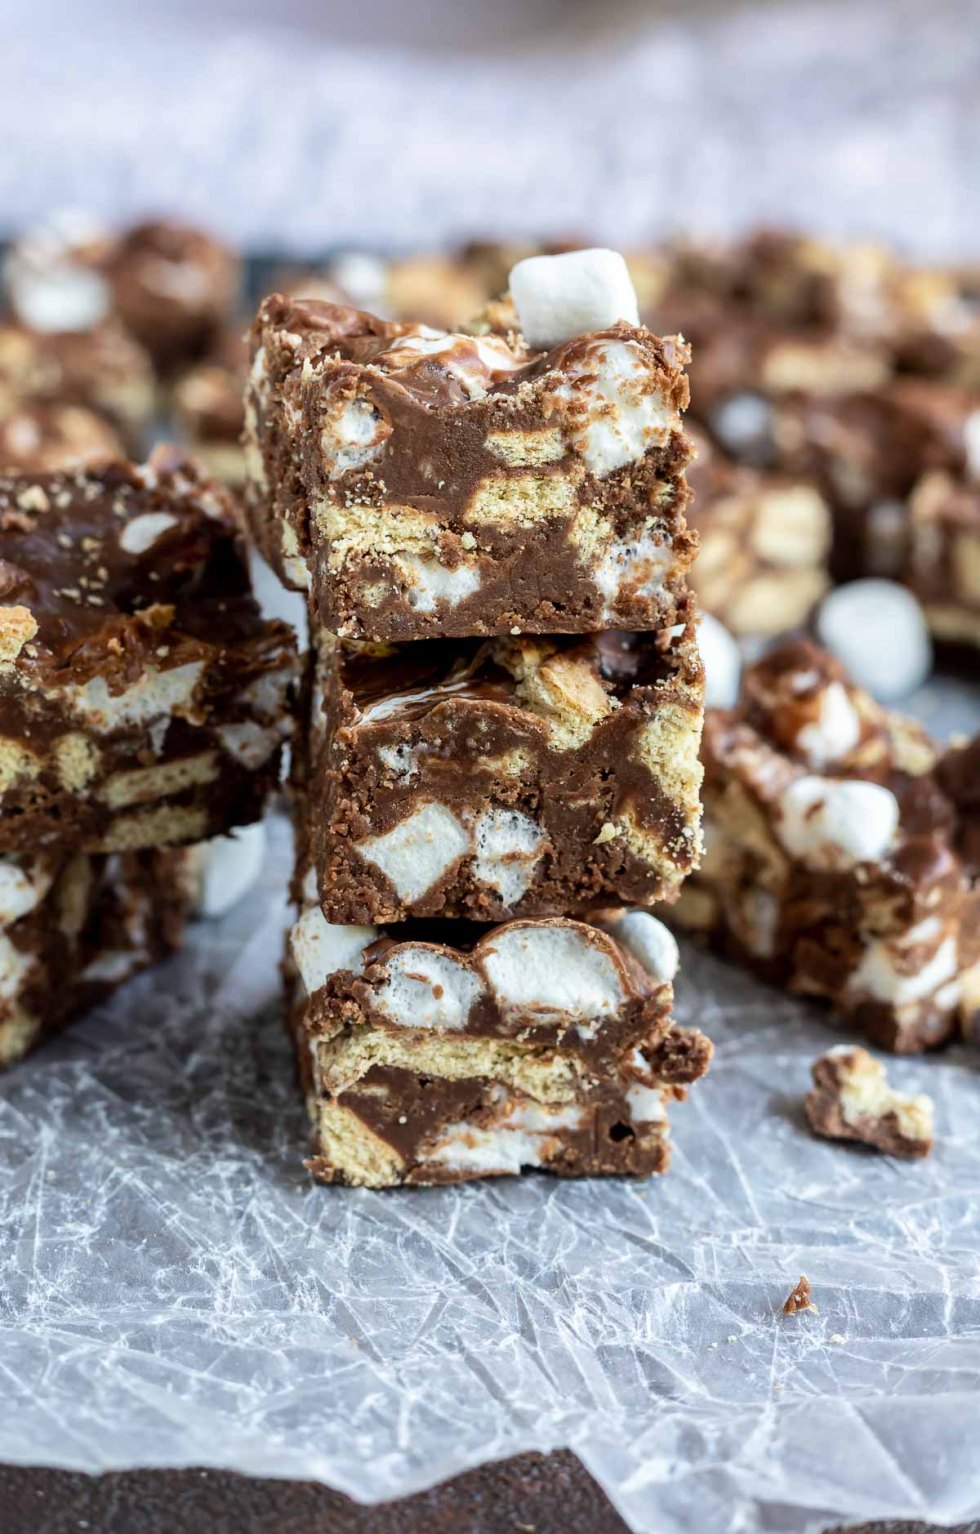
(144, 704)
(497, 768)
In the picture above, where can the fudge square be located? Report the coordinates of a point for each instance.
(501, 777)
(424, 483)
(143, 698)
(765, 540)
(73, 928)
(436, 1052)
(943, 560)
(832, 862)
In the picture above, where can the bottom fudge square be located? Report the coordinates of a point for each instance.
(524, 776)
(72, 929)
(834, 855)
(436, 1052)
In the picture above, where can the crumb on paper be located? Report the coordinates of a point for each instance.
(852, 1100)
(800, 1298)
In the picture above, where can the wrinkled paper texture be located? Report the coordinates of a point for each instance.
(174, 1291)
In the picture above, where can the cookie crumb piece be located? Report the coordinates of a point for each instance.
(851, 1100)
(800, 1298)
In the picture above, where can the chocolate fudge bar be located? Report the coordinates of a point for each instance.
(831, 864)
(867, 450)
(851, 1100)
(513, 776)
(73, 928)
(436, 1052)
(43, 438)
(943, 562)
(143, 699)
(423, 483)
(174, 288)
(959, 779)
(765, 544)
(767, 319)
(103, 370)
(55, 274)
(210, 411)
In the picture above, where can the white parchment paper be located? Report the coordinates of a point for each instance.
(173, 1291)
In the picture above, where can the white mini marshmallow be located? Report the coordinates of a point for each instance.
(632, 568)
(363, 278)
(651, 944)
(157, 695)
(14, 968)
(49, 283)
(248, 742)
(743, 424)
(418, 851)
(614, 415)
(646, 1104)
(353, 436)
(430, 583)
(881, 973)
(426, 988)
(23, 885)
(835, 731)
(558, 297)
(877, 631)
(971, 438)
(508, 848)
(320, 949)
(523, 1137)
(545, 969)
(722, 661)
(142, 532)
(227, 868)
(833, 823)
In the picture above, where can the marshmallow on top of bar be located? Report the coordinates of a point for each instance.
(438, 1052)
(517, 776)
(143, 699)
(829, 862)
(421, 482)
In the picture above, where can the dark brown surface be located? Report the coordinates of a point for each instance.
(532, 1494)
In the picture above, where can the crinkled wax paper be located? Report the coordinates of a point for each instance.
(174, 1291)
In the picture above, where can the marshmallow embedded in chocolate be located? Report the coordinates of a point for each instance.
(558, 297)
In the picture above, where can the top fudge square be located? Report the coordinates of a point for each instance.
(144, 700)
(421, 483)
